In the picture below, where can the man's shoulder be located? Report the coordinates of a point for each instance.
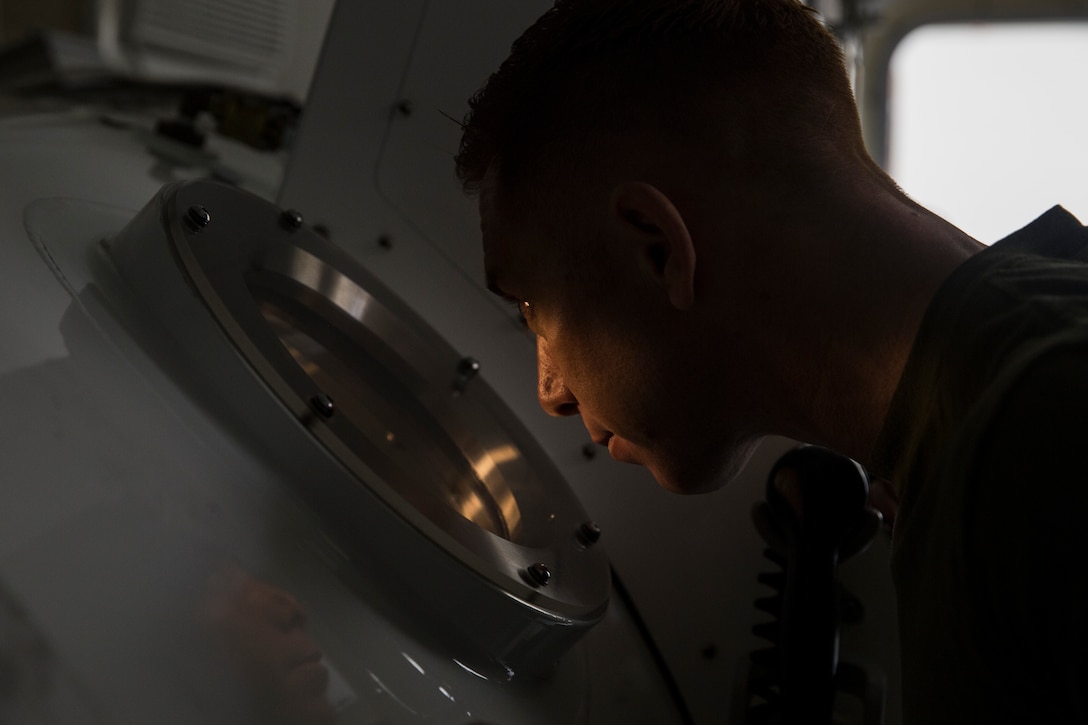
(1034, 414)
(991, 562)
(1056, 234)
(1024, 514)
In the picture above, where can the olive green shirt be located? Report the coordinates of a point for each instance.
(987, 444)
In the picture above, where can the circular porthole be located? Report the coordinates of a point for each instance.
(427, 464)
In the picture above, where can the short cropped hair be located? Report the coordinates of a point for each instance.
(590, 69)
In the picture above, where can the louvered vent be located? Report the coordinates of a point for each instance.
(252, 34)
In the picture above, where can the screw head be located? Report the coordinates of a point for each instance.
(323, 404)
(539, 575)
(588, 533)
(291, 219)
(197, 218)
(468, 366)
(467, 369)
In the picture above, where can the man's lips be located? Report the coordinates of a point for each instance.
(618, 448)
(309, 657)
(601, 439)
(308, 675)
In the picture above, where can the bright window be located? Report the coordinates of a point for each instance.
(989, 122)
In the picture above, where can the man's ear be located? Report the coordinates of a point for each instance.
(663, 242)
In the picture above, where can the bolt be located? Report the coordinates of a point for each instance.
(291, 219)
(589, 451)
(539, 575)
(385, 241)
(467, 369)
(588, 533)
(197, 218)
(323, 404)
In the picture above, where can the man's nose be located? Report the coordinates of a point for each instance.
(555, 397)
(286, 610)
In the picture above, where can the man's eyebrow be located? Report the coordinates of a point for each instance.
(494, 288)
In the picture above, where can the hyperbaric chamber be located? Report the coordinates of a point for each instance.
(248, 484)
(427, 465)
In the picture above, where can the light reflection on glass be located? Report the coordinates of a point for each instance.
(422, 461)
(468, 669)
(413, 663)
(383, 690)
(486, 467)
(339, 290)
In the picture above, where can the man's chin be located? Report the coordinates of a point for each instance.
(691, 476)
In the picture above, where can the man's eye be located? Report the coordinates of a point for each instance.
(523, 308)
(525, 311)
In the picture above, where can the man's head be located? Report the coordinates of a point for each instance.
(590, 75)
(620, 141)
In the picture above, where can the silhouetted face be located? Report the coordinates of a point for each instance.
(260, 629)
(646, 379)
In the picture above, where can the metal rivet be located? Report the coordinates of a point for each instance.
(323, 404)
(539, 575)
(291, 219)
(588, 533)
(197, 218)
(467, 369)
(589, 451)
(385, 241)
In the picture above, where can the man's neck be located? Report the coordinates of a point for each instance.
(902, 255)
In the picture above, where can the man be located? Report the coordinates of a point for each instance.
(677, 196)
